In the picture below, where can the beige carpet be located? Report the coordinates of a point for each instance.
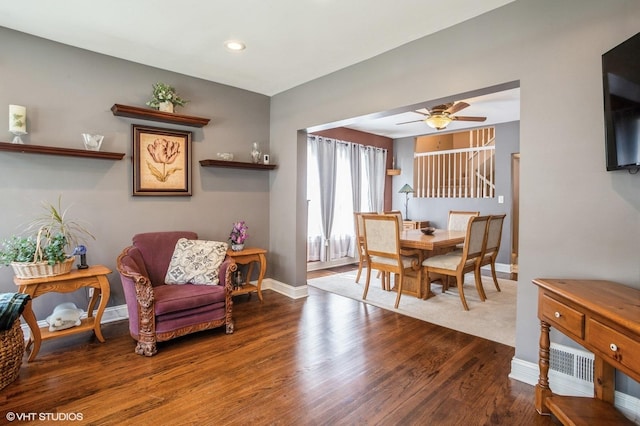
(494, 319)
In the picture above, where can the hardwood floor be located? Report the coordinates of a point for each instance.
(322, 360)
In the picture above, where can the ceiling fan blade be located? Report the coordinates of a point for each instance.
(458, 106)
(407, 122)
(463, 118)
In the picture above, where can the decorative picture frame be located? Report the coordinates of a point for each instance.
(161, 161)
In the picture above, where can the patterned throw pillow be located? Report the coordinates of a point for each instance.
(196, 262)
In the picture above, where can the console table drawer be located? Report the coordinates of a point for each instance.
(614, 345)
(562, 316)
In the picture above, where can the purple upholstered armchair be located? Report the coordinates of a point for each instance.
(160, 311)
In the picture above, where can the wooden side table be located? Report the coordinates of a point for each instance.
(602, 316)
(250, 255)
(94, 277)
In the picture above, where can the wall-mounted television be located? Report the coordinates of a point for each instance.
(621, 83)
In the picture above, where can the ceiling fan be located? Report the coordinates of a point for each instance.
(440, 116)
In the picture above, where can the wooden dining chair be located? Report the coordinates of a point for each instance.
(362, 259)
(397, 213)
(492, 246)
(458, 220)
(382, 249)
(457, 264)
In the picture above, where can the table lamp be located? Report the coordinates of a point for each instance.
(406, 190)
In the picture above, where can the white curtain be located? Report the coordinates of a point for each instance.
(342, 177)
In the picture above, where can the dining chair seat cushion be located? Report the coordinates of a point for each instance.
(444, 261)
(406, 261)
(449, 261)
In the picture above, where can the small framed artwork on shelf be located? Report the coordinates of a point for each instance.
(161, 161)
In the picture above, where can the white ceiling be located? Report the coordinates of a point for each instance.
(289, 42)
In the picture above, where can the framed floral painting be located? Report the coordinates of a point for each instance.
(161, 161)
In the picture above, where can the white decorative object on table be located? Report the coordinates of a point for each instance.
(17, 122)
(265, 159)
(225, 156)
(92, 142)
(65, 315)
(255, 153)
(165, 106)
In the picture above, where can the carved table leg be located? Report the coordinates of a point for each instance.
(104, 299)
(35, 338)
(542, 388)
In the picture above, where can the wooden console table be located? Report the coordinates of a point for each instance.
(249, 256)
(414, 224)
(602, 316)
(94, 277)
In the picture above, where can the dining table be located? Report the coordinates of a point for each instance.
(430, 244)
(441, 238)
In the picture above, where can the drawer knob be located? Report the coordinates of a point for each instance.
(557, 314)
(613, 347)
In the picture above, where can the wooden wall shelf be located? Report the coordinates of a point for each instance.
(393, 172)
(236, 165)
(154, 115)
(67, 152)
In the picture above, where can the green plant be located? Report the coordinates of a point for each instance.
(164, 93)
(46, 238)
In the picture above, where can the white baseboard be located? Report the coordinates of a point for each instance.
(562, 384)
(315, 266)
(285, 289)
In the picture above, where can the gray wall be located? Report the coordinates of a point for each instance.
(68, 91)
(436, 210)
(577, 220)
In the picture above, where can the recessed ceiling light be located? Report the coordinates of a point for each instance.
(235, 45)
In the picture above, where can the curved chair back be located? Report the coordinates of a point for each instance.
(494, 234)
(398, 214)
(458, 220)
(492, 245)
(359, 228)
(157, 248)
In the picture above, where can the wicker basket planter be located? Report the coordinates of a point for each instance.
(28, 270)
(11, 351)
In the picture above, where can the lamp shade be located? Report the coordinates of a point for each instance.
(406, 189)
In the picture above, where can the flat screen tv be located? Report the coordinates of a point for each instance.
(621, 83)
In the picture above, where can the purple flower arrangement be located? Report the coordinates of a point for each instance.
(239, 233)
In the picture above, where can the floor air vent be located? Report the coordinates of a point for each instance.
(572, 362)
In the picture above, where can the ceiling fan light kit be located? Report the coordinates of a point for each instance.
(438, 122)
(440, 116)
